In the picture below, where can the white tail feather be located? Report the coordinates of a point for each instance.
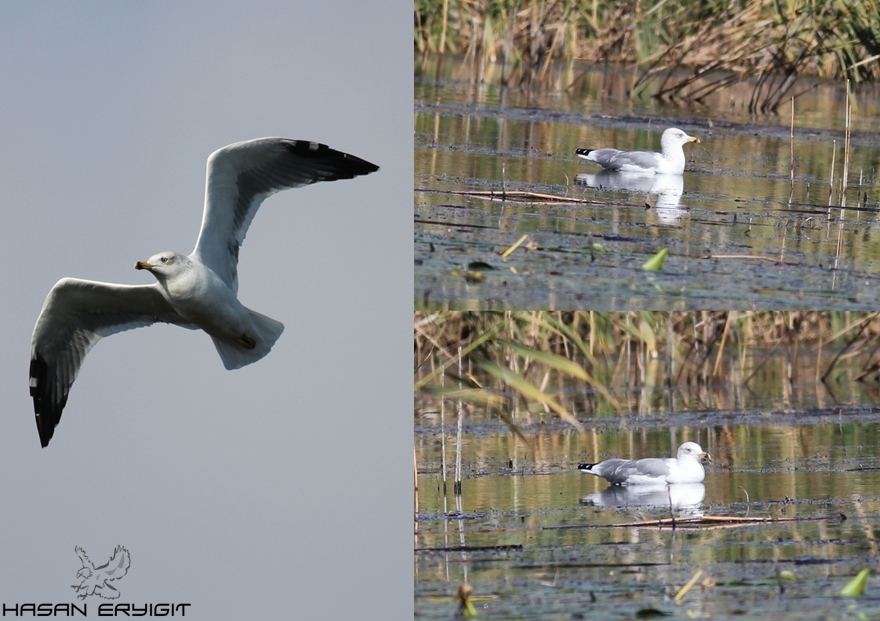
(266, 330)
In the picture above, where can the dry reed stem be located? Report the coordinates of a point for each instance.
(611, 350)
(713, 520)
(791, 153)
(716, 44)
(518, 243)
(456, 486)
(683, 591)
(747, 256)
(522, 194)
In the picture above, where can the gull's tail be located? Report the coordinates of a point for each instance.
(588, 469)
(237, 355)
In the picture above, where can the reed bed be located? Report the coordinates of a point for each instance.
(498, 360)
(686, 50)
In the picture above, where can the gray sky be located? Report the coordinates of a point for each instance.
(278, 489)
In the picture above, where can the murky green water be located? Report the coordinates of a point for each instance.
(539, 540)
(781, 245)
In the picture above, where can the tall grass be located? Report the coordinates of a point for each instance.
(526, 352)
(686, 49)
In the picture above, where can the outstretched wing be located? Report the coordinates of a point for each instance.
(242, 175)
(75, 316)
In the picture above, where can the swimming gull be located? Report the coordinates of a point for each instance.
(195, 291)
(669, 162)
(684, 468)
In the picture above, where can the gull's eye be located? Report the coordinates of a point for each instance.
(164, 259)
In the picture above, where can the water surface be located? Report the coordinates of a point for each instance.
(741, 234)
(539, 540)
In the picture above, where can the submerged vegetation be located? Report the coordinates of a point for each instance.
(501, 361)
(685, 50)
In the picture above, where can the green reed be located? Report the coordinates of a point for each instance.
(521, 358)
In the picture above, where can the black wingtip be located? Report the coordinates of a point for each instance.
(583, 152)
(585, 466)
(46, 414)
(341, 165)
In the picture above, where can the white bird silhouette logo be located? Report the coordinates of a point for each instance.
(95, 580)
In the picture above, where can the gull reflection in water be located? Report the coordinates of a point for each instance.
(685, 498)
(667, 189)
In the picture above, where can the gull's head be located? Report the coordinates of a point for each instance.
(164, 265)
(692, 450)
(674, 137)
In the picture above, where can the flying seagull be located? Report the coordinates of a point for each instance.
(195, 291)
(669, 162)
(684, 468)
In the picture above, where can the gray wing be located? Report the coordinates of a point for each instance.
(242, 175)
(634, 161)
(626, 161)
(618, 471)
(75, 316)
(650, 467)
(600, 156)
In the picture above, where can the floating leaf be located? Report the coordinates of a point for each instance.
(655, 263)
(465, 607)
(856, 586)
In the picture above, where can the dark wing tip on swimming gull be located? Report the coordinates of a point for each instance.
(583, 152)
(585, 467)
(47, 410)
(335, 164)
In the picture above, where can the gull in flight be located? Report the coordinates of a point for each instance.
(684, 468)
(195, 291)
(670, 161)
